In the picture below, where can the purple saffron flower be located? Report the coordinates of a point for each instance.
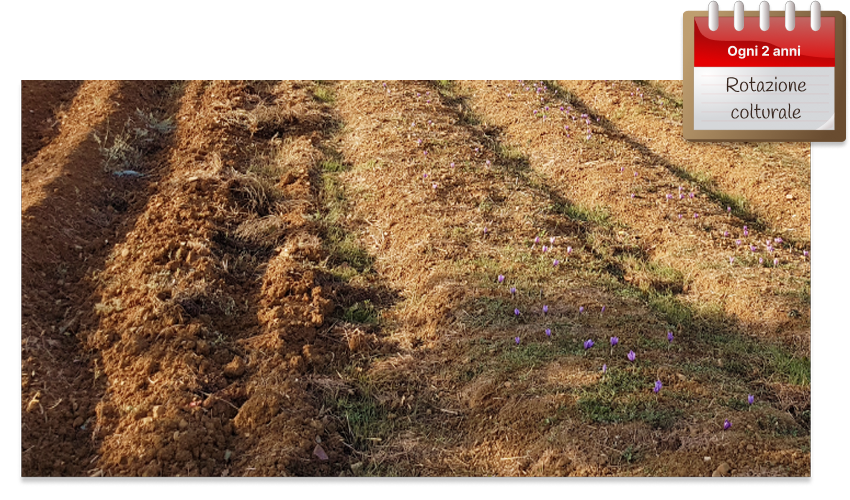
(691, 194)
(516, 339)
(424, 176)
(726, 424)
(548, 332)
(536, 240)
(731, 259)
(729, 210)
(516, 312)
(696, 216)
(569, 250)
(580, 309)
(657, 387)
(680, 216)
(485, 230)
(513, 290)
(426, 153)
(501, 279)
(750, 399)
(545, 309)
(452, 164)
(552, 240)
(753, 248)
(487, 163)
(631, 356)
(434, 185)
(615, 341)
(669, 336)
(738, 242)
(419, 141)
(588, 344)
(544, 248)
(555, 263)
(633, 195)
(726, 234)
(635, 174)
(775, 262)
(746, 231)
(604, 368)
(778, 241)
(603, 309)
(668, 196)
(761, 261)
(805, 253)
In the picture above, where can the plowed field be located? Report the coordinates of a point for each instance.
(414, 278)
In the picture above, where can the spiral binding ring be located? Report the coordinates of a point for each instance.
(713, 16)
(739, 16)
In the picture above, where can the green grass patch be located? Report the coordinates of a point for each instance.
(363, 420)
(362, 312)
(598, 215)
(324, 94)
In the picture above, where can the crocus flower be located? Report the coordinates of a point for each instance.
(738, 242)
(513, 290)
(603, 310)
(729, 210)
(569, 250)
(545, 309)
(555, 263)
(615, 341)
(726, 233)
(691, 194)
(696, 216)
(588, 344)
(761, 261)
(753, 248)
(775, 262)
(536, 240)
(548, 332)
(731, 259)
(580, 309)
(778, 241)
(516, 339)
(746, 231)
(434, 185)
(452, 164)
(726, 424)
(501, 278)
(426, 153)
(485, 230)
(805, 253)
(669, 336)
(657, 387)
(544, 248)
(604, 368)
(680, 216)
(750, 399)
(516, 312)
(552, 240)
(487, 163)
(424, 176)
(631, 356)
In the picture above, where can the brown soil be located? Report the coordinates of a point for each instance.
(274, 278)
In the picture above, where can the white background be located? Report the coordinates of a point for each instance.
(435, 39)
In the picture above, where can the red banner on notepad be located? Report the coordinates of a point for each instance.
(775, 48)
